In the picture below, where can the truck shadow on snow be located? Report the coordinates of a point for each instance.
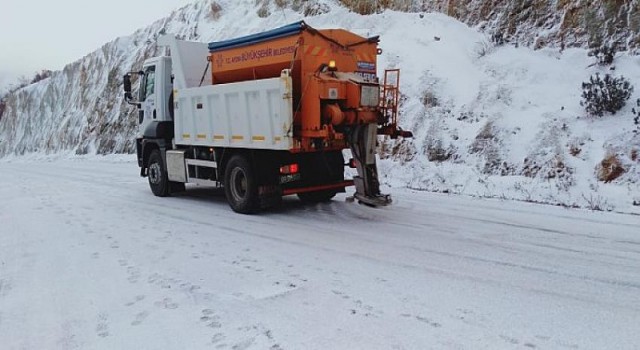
(215, 197)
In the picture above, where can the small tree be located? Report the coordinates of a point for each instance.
(42, 75)
(604, 54)
(608, 95)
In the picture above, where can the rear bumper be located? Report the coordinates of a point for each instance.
(337, 186)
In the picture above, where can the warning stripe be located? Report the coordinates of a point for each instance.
(315, 50)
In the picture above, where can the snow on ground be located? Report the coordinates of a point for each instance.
(90, 259)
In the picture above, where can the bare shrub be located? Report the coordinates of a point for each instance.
(531, 168)
(263, 11)
(609, 169)
(484, 137)
(553, 168)
(215, 10)
(604, 54)
(575, 146)
(297, 5)
(470, 116)
(437, 153)
(429, 99)
(595, 202)
(315, 9)
(498, 38)
(574, 150)
(367, 7)
(43, 74)
(489, 146)
(404, 150)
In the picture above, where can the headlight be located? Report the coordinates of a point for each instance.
(369, 96)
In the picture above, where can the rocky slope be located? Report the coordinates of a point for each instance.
(538, 23)
(489, 120)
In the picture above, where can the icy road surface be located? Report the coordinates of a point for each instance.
(90, 259)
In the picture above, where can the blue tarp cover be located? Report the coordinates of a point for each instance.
(290, 29)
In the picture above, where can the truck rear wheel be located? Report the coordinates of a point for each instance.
(240, 185)
(157, 174)
(317, 196)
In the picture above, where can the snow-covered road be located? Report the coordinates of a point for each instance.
(90, 259)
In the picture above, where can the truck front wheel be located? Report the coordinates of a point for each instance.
(240, 185)
(157, 175)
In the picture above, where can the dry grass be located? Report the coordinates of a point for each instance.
(575, 150)
(609, 169)
(215, 10)
(263, 12)
(367, 7)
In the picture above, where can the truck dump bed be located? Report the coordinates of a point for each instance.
(254, 114)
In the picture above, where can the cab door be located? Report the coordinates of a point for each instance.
(147, 97)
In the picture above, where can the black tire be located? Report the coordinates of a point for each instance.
(241, 186)
(317, 196)
(157, 175)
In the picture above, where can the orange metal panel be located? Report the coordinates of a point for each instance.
(305, 53)
(257, 61)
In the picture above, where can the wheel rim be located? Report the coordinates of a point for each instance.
(155, 173)
(238, 184)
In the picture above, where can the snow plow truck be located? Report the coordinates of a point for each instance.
(265, 115)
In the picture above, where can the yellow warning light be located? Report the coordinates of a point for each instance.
(332, 65)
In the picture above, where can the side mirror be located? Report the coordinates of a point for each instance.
(126, 82)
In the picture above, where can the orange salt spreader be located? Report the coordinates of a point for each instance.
(338, 100)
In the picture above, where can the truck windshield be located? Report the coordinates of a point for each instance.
(148, 83)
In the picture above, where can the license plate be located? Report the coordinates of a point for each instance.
(289, 178)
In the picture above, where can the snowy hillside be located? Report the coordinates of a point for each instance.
(488, 120)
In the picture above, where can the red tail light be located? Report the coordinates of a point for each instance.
(289, 169)
(352, 163)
